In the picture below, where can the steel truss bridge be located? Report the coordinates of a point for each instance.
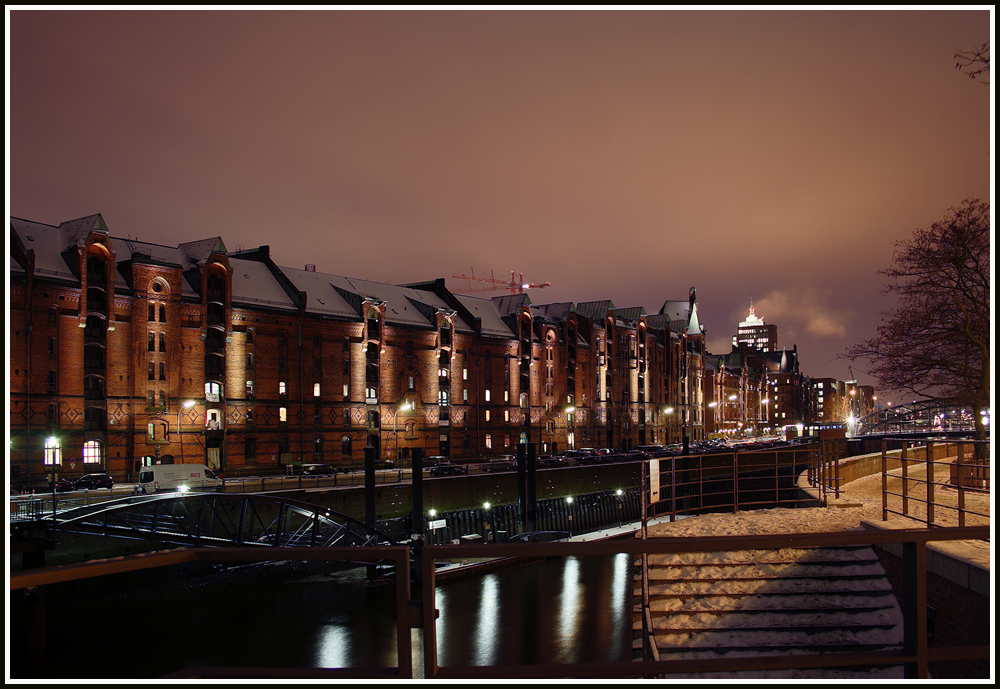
(925, 416)
(221, 520)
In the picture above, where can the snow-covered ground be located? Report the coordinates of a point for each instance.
(705, 597)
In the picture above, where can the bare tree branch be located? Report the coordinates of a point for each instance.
(975, 63)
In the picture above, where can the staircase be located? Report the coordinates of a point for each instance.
(771, 602)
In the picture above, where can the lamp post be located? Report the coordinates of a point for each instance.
(395, 428)
(732, 398)
(767, 417)
(569, 418)
(180, 437)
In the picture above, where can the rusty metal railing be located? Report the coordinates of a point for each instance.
(421, 613)
(914, 656)
(966, 471)
(693, 484)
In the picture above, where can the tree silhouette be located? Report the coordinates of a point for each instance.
(975, 63)
(936, 342)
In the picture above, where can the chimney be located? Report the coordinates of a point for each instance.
(311, 267)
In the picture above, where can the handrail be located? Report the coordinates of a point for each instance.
(915, 655)
(979, 471)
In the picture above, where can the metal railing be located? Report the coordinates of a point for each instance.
(728, 482)
(926, 483)
(421, 613)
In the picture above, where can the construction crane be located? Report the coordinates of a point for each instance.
(516, 286)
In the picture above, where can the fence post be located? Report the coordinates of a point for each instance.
(885, 484)
(930, 484)
(904, 492)
(736, 487)
(961, 485)
(914, 608)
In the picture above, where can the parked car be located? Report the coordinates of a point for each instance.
(448, 469)
(44, 485)
(318, 470)
(502, 463)
(545, 461)
(91, 481)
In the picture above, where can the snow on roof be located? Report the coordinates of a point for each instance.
(254, 284)
(487, 310)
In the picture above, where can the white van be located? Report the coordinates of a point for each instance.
(182, 477)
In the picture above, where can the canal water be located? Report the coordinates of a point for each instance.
(561, 610)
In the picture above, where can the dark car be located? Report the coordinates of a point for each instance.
(318, 470)
(62, 485)
(503, 463)
(448, 469)
(91, 481)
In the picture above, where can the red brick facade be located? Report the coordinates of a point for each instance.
(124, 353)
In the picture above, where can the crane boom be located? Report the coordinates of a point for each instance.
(516, 286)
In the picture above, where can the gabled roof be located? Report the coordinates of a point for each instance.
(631, 313)
(554, 312)
(511, 303)
(595, 310)
(491, 322)
(254, 284)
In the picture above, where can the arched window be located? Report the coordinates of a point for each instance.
(318, 448)
(345, 446)
(92, 453)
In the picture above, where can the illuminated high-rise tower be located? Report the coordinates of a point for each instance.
(755, 334)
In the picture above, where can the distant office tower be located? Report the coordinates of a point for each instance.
(756, 334)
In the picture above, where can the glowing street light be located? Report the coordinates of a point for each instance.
(187, 404)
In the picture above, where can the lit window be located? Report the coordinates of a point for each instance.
(281, 388)
(282, 414)
(315, 389)
(489, 442)
(92, 452)
(487, 394)
(53, 452)
(487, 415)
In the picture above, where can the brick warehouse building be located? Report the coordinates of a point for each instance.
(124, 353)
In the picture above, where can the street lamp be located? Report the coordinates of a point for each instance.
(570, 436)
(395, 431)
(180, 438)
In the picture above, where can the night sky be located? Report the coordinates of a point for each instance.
(619, 155)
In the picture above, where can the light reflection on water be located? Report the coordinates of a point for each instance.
(574, 609)
(569, 609)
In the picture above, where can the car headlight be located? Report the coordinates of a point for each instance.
(182, 489)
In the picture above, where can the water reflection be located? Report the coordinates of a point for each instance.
(571, 609)
(333, 647)
(489, 621)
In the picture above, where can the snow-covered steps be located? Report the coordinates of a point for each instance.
(769, 602)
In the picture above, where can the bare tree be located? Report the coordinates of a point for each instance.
(936, 342)
(975, 63)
